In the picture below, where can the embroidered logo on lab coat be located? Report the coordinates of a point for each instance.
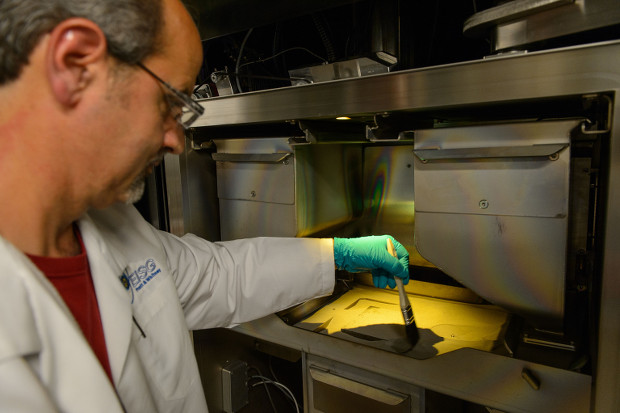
(124, 281)
(138, 278)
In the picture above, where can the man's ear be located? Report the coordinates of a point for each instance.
(76, 46)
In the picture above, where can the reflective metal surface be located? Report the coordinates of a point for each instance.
(507, 11)
(174, 195)
(498, 225)
(388, 195)
(576, 70)
(581, 16)
(269, 187)
(478, 376)
(606, 395)
(472, 88)
(338, 388)
(338, 70)
(190, 193)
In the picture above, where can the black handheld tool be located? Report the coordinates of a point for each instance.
(405, 306)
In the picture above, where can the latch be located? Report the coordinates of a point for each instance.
(589, 127)
(384, 129)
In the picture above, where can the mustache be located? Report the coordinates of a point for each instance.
(157, 159)
(153, 162)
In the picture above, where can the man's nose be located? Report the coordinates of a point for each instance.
(174, 139)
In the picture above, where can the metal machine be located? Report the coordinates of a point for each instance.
(499, 175)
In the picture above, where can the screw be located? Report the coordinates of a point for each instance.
(253, 194)
(483, 204)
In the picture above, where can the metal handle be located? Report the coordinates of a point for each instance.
(543, 150)
(251, 157)
(379, 395)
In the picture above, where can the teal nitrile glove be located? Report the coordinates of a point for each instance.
(371, 254)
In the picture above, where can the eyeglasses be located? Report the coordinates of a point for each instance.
(183, 108)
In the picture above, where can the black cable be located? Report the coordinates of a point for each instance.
(282, 52)
(327, 43)
(237, 65)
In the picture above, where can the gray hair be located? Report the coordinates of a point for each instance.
(131, 27)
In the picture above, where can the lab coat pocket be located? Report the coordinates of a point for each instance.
(163, 341)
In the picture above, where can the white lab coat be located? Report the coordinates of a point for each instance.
(169, 285)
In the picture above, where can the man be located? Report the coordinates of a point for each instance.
(95, 304)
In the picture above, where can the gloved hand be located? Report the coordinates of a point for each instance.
(371, 254)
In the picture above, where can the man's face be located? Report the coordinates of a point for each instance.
(139, 128)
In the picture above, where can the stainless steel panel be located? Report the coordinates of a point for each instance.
(315, 188)
(338, 70)
(256, 181)
(518, 188)
(257, 198)
(484, 378)
(471, 183)
(333, 387)
(499, 226)
(562, 72)
(174, 193)
(515, 262)
(607, 396)
(388, 195)
(327, 187)
(480, 377)
(190, 190)
(247, 219)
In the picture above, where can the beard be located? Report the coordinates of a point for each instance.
(136, 190)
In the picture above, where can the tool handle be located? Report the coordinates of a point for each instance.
(390, 248)
(411, 328)
(404, 300)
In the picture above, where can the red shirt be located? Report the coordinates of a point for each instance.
(72, 278)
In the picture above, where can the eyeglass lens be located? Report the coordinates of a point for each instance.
(182, 107)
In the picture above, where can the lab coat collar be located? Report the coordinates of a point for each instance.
(107, 265)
